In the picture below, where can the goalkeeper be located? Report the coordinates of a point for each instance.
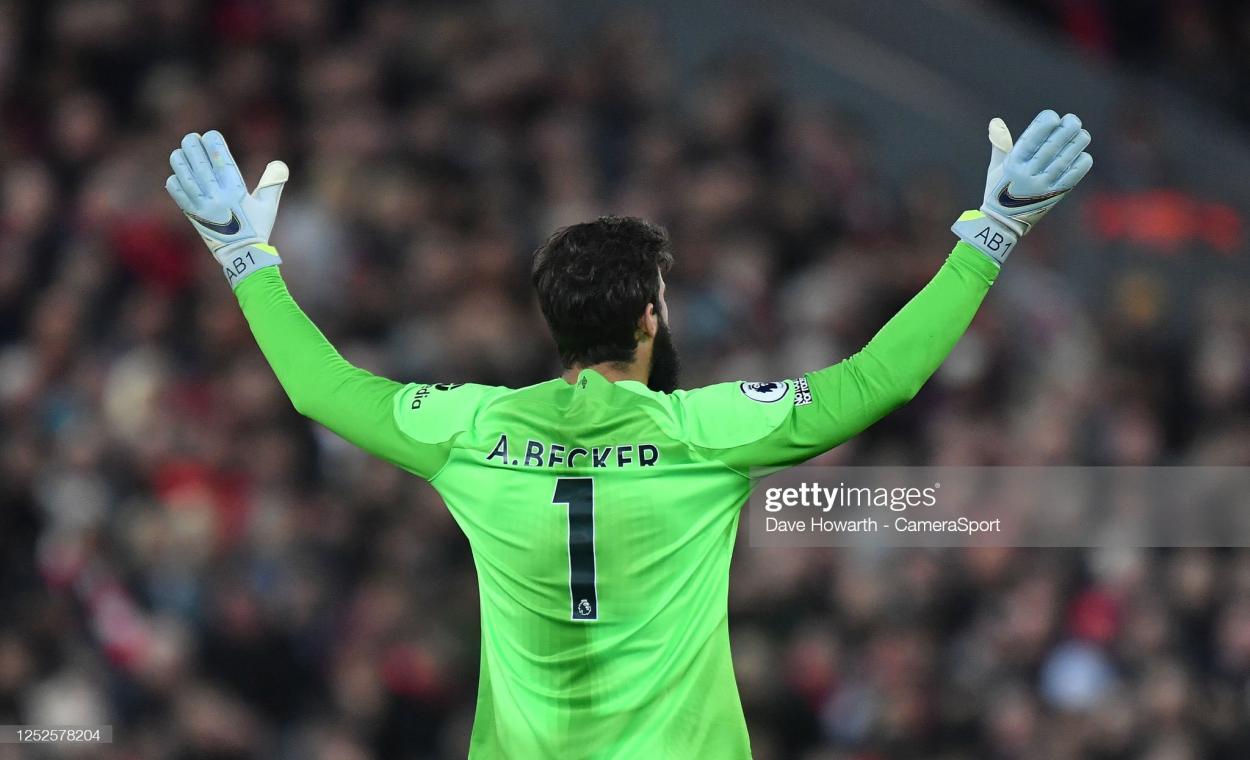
(601, 506)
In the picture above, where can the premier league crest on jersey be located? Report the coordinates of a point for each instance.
(767, 392)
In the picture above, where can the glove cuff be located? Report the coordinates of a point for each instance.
(240, 263)
(986, 234)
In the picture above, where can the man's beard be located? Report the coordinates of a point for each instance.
(665, 367)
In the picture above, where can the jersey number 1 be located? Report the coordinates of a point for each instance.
(579, 495)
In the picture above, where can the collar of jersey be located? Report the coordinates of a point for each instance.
(593, 377)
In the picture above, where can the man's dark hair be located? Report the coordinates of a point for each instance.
(594, 280)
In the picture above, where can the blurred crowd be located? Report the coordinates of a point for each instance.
(184, 558)
(1199, 44)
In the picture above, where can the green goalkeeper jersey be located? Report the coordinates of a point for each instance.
(602, 515)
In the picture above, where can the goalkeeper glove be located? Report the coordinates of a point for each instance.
(234, 224)
(1025, 181)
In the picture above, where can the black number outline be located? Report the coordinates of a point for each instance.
(577, 495)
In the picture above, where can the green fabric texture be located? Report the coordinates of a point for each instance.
(602, 516)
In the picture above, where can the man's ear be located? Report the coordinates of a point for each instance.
(649, 322)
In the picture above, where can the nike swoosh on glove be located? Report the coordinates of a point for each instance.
(1025, 180)
(234, 224)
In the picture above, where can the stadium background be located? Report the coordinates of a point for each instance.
(186, 559)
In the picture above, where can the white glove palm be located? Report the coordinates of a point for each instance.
(234, 224)
(1025, 180)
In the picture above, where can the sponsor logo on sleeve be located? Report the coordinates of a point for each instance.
(767, 392)
(423, 392)
(802, 393)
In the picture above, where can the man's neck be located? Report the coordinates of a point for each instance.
(612, 371)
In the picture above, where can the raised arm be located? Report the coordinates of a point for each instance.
(322, 385)
(413, 425)
(886, 373)
(358, 405)
(786, 422)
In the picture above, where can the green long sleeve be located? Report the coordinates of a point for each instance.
(902, 356)
(758, 424)
(322, 385)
